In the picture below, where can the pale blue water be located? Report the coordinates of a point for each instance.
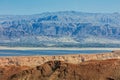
(47, 52)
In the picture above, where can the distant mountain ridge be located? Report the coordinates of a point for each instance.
(67, 27)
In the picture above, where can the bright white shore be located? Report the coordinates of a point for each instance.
(53, 48)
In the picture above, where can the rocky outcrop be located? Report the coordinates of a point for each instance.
(58, 70)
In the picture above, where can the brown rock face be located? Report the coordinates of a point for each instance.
(59, 70)
(7, 71)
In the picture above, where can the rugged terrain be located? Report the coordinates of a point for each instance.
(104, 66)
(58, 70)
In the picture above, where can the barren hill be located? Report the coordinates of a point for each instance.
(64, 67)
(59, 70)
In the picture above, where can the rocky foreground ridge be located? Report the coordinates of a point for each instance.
(104, 66)
(58, 70)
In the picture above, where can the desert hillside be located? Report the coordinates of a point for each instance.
(57, 70)
(104, 66)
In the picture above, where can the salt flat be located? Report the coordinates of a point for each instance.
(53, 48)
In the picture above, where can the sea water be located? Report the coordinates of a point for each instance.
(47, 52)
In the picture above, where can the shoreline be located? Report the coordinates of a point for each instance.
(71, 58)
(54, 48)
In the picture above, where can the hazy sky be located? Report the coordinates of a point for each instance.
(39, 6)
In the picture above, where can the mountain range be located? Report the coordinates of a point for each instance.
(61, 29)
